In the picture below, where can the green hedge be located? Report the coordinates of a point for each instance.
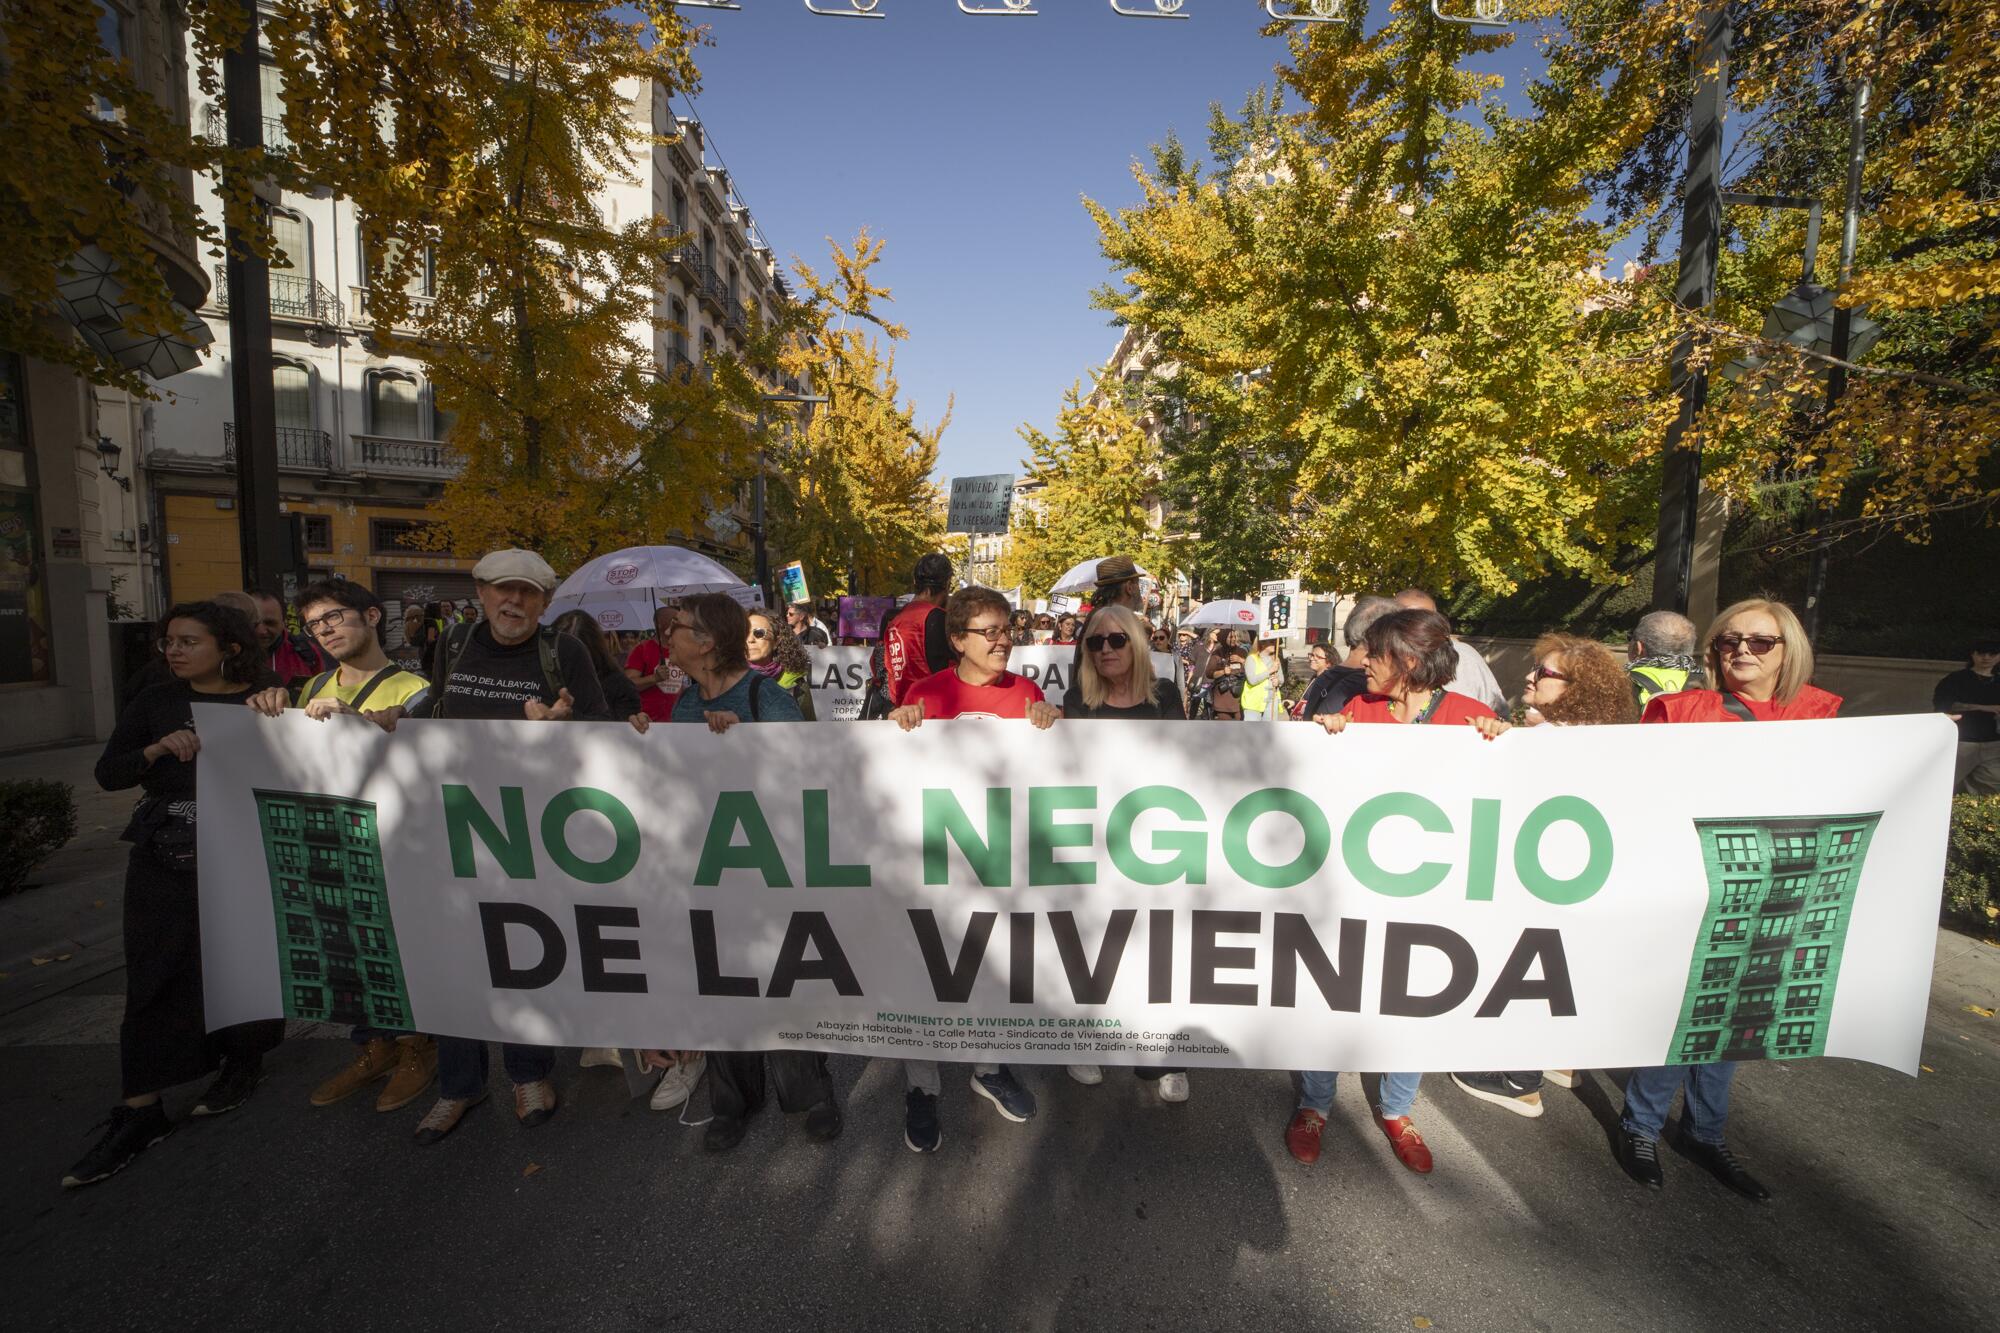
(1972, 863)
(36, 818)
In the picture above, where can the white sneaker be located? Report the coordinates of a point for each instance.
(1173, 1087)
(1088, 1075)
(677, 1084)
(600, 1057)
(1563, 1078)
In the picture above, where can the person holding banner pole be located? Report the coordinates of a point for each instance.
(978, 685)
(914, 640)
(345, 620)
(506, 665)
(709, 634)
(1117, 681)
(212, 654)
(1410, 659)
(1574, 682)
(1762, 662)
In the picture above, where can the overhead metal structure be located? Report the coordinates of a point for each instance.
(1483, 14)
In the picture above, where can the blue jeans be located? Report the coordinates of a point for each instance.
(463, 1068)
(1649, 1095)
(1399, 1092)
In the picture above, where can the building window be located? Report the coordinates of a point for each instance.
(24, 601)
(395, 405)
(306, 1001)
(707, 250)
(680, 213)
(678, 313)
(707, 347)
(395, 536)
(1791, 1035)
(319, 531)
(1811, 959)
(1757, 998)
(1738, 894)
(421, 280)
(1834, 882)
(1699, 1043)
(1710, 1007)
(292, 395)
(1821, 919)
(1792, 846)
(1726, 930)
(1802, 997)
(284, 816)
(734, 303)
(1788, 886)
(1782, 924)
(319, 819)
(1737, 850)
(114, 27)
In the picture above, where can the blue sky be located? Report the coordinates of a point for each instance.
(967, 144)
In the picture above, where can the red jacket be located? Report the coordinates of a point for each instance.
(904, 661)
(1707, 706)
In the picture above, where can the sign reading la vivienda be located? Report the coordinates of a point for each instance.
(1102, 892)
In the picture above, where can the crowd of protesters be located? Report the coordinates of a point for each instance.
(941, 655)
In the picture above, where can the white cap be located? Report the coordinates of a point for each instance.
(515, 566)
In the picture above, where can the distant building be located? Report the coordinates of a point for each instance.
(1761, 981)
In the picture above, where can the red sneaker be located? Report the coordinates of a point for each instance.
(1411, 1150)
(1302, 1135)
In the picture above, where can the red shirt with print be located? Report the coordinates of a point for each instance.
(943, 695)
(645, 659)
(1453, 709)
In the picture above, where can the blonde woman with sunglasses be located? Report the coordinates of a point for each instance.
(1762, 665)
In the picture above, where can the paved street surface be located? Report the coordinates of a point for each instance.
(1110, 1210)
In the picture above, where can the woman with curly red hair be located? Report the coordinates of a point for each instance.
(1574, 682)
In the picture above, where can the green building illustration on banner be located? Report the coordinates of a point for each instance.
(337, 956)
(1762, 978)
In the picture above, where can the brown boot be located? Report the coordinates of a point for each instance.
(375, 1060)
(534, 1102)
(416, 1067)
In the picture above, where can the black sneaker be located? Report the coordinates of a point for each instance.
(130, 1130)
(1640, 1156)
(232, 1087)
(1502, 1090)
(921, 1131)
(1009, 1098)
(1721, 1163)
(824, 1122)
(724, 1132)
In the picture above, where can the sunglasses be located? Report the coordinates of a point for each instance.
(1096, 642)
(760, 634)
(1542, 673)
(1758, 644)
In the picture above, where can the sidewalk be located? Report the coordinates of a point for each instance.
(73, 903)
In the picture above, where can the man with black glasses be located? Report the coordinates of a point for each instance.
(345, 622)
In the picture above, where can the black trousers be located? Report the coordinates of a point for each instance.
(736, 1081)
(164, 1039)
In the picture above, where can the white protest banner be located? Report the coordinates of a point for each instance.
(840, 675)
(1407, 898)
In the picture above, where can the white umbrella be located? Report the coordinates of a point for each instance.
(1084, 577)
(637, 579)
(1228, 614)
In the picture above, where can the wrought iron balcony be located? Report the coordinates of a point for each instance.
(294, 297)
(688, 257)
(300, 448)
(402, 457)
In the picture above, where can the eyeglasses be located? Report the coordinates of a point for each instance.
(1097, 642)
(1758, 644)
(679, 625)
(760, 633)
(997, 634)
(1542, 673)
(185, 643)
(329, 620)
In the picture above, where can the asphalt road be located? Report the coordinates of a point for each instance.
(1109, 1210)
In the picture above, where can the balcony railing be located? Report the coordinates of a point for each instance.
(294, 296)
(736, 320)
(709, 289)
(413, 458)
(300, 448)
(215, 126)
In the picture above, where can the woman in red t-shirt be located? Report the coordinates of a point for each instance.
(977, 684)
(1759, 654)
(1410, 659)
